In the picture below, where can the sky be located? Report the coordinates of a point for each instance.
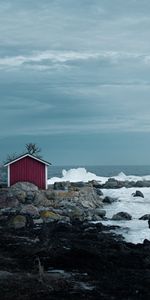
(75, 79)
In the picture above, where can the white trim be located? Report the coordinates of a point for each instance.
(46, 177)
(8, 176)
(25, 155)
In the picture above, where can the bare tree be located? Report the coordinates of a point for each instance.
(10, 157)
(33, 149)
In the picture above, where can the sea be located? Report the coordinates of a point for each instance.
(134, 230)
(106, 171)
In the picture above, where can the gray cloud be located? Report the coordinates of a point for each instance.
(74, 68)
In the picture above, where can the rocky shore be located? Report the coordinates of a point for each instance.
(50, 248)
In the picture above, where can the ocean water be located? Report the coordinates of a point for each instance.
(99, 173)
(106, 171)
(135, 230)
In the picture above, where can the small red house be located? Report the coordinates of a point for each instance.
(28, 168)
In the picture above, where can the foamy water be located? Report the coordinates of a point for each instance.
(81, 174)
(134, 231)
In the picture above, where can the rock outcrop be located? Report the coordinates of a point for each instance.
(122, 216)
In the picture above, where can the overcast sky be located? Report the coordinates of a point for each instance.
(75, 79)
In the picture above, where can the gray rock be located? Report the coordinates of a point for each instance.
(79, 184)
(7, 199)
(100, 212)
(30, 195)
(20, 195)
(61, 185)
(99, 192)
(96, 184)
(17, 222)
(138, 194)
(30, 210)
(145, 217)
(97, 218)
(112, 183)
(24, 186)
(41, 200)
(50, 194)
(122, 216)
(109, 200)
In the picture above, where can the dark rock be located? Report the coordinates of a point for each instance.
(100, 212)
(121, 216)
(30, 195)
(61, 185)
(79, 184)
(74, 261)
(99, 192)
(138, 194)
(145, 217)
(109, 200)
(112, 183)
(96, 184)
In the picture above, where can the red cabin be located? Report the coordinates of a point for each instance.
(28, 168)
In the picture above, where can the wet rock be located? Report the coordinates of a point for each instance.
(138, 194)
(145, 217)
(96, 184)
(112, 183)
(100, 212)
(99, 192)
(109, 200)
(122, 216)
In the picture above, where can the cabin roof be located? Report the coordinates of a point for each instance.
(27, 155)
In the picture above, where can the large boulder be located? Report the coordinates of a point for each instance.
(122, 216)
(25, 186)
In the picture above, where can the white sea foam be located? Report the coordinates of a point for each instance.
(81, 174)
(76, 175)
(134, 231)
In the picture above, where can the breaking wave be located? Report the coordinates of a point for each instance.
(81, 174)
